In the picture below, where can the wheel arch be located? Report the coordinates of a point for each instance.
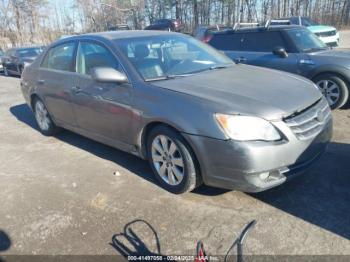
(341, 72)
(150, 126)
(32, 99)
(142, 143)
(142, 140)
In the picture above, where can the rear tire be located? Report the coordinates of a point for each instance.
(172, 160)
(6, 72)
(334, 88)
(46, 126)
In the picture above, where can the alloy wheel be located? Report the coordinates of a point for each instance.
(330, 90)
(167, 160)
(42, 116)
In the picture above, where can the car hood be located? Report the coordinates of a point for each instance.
(331, 53)
(248, 90)
(320, 28)
(334, 57)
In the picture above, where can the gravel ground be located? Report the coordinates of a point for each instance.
(71, 195)
(344, 39)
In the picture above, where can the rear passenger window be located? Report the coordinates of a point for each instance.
(262, 41)
(227, 42)
(60, 57)
(91, 55)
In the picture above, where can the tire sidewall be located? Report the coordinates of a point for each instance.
(6, 72)
(52, 127)
(189, 181)
(343, 88)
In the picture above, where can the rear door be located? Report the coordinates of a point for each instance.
(102, 109)
(230, 43)
(55, 82)
(257, 49)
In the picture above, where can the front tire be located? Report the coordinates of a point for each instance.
(46, 126)
(172, 160)
(334, 88)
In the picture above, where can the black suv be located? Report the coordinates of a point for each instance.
(293, 49)
(166, 25)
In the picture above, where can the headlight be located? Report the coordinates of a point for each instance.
(25, 64)
(247, 128)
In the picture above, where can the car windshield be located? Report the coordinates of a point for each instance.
(29, 52)
(308, 22)
(306, 41)
(165, 57)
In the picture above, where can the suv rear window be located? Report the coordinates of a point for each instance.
(262, 41)
(227, 42)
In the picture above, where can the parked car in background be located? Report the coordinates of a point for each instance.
(187, 108)
(204, 33)
(166, 25)
(15, 59)
(328, 34)
(118, 27)
(293, 49)
(1, 56)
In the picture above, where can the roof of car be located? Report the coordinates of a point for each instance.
(114, 35)
(260, 29)
(24, 48)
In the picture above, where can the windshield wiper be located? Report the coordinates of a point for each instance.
(166, 77)
(315, 49)
(219, 67)
(211, 68)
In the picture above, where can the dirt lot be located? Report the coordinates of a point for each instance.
(344, 39)
(59, 195)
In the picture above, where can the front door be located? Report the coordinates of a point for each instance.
(101, 109)
(270, 60)
(257, 49)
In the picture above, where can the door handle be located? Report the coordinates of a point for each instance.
(76, 89)
(41, 81)
(241, 59)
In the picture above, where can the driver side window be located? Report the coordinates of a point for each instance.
(91, 55)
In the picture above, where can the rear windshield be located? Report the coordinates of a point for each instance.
(227, 42)
(29, 52)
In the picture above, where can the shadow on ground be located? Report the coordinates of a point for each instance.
(320, 197)
(130, 243)
(5, 241)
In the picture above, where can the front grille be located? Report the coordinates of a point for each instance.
(325, 34)
(332, 44)
(309, 123)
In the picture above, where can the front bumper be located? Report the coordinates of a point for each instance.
(332, 41)
(239, 165)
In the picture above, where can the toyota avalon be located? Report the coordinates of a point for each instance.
(188, 109)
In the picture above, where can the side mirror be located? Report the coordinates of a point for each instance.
(108, 75)
(280, 51)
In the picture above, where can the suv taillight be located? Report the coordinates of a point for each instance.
(207, 38)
